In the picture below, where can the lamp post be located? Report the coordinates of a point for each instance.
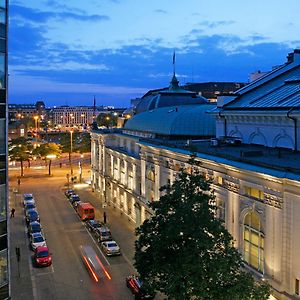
(71, 150)
(36, 127)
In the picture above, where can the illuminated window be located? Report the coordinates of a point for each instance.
(253, 242)
(255, 193)
(219, 180)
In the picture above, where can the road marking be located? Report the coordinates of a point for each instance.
(34, 289)
(74, 230)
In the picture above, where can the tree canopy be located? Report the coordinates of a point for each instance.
(20, 150)
(107, 120)
(184, 252)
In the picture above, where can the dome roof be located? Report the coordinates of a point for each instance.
(172, 96)
(184, 120)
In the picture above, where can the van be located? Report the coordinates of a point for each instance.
(86, 211)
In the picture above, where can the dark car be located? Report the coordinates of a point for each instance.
(31, 216)
(103, 234)
(74, 198)
(136, 287)
(29, 205)
(69, 192)
(92, 225)
(34, 227)
(42, 257)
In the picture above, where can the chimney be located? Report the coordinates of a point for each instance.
(294, 56)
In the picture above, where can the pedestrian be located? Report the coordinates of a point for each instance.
(60, 165)
(19, 181)
(12, 213)
(104, 217)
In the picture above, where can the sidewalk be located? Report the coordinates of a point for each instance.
(21, 284)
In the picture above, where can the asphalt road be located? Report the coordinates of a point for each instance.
(67, 278)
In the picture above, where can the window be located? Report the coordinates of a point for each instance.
(220, 210)
(254, 193)
(253, 242)
(150, 185)
(219, 180)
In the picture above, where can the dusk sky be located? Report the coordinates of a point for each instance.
(66, 51)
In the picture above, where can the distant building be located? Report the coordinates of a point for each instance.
(66, 117)
(211, 90)
(27, 111)
(16, 130)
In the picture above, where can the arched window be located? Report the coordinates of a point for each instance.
(253, 242)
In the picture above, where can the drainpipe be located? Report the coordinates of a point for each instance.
(295, 128)
(225, 124)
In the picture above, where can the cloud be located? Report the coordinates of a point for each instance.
(210, 24)
(160, 11)
(38, 16)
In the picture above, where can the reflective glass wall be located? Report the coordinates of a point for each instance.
(4, 274)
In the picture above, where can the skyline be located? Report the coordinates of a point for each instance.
(64, 52)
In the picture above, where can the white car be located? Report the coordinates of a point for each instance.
(28, 198)
(36, 240)
(110, 248)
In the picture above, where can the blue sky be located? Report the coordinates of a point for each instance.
(67, 51)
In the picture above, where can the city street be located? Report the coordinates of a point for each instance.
(67, 278)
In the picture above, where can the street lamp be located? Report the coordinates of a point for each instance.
(36, 126)
(71, 141)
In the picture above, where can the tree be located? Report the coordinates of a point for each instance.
(107, 120)
(20, 150)
(184, 252)
(49, 151)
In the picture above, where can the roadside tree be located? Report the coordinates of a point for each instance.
(48, 152)
(20, 150)
(184, 252)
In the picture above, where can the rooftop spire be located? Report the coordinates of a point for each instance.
(94, 126)
(174, 84)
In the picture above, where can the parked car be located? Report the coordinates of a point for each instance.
(110, 248)
(28, 198)
(76, 203)
(92, 225)
(36, 240)
(29, 205)
(136, 287)
(32, 215)
(103, 234)
(42, 257)
(34, 227)
(74, 198)
(69, 192)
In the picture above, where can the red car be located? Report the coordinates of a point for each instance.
(42, 257)
(136, 287)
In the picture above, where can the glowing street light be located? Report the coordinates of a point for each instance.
(36, 127)
(71, 150)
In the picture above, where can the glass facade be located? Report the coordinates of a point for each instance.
(4, 269)
(254, 242)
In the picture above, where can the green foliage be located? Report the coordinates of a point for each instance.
(107, 120)
(81, 142)
(20, 150)
(48, 149)
(184, 252)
